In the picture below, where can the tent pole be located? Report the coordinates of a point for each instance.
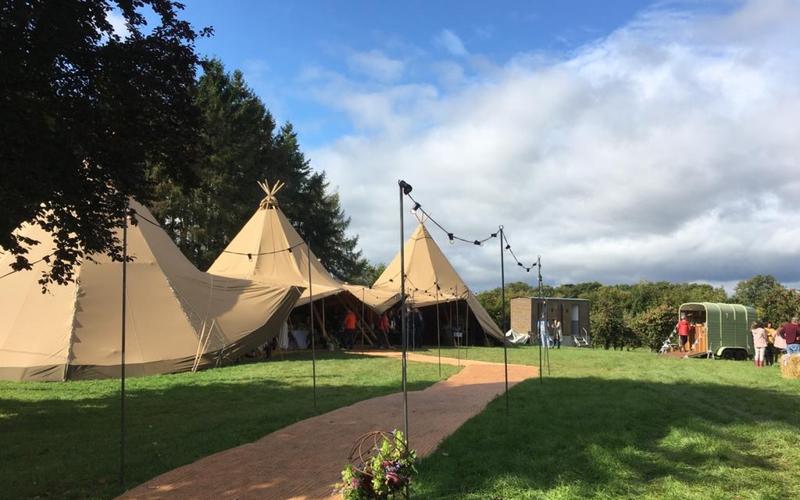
(362, 319)
(458, 329)
(503, 308)
(122, 349)
(466, 329)
(438, 331)
(311, 330)
(541, 317)
(404, 189)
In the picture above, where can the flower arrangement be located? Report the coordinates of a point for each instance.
(380, 467)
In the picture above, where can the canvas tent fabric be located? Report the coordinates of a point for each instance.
(177, 317)
(378, 300)
(260, 252)
(431, 279)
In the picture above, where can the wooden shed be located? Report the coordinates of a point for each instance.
(573, 314)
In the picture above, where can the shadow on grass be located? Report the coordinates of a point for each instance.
(69, 447)
(592, 437)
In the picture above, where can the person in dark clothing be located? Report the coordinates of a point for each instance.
(791, 332)
(418, 325)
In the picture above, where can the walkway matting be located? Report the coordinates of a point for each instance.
(305, 459)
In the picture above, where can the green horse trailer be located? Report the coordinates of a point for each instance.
(720, 330)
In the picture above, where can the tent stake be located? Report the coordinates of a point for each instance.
(311, 322)
(503, 309)
(122, 350)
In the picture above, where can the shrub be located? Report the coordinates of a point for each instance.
(653, 325)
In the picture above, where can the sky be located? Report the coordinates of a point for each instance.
(621, 141)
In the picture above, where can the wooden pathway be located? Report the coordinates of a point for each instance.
(304, 460)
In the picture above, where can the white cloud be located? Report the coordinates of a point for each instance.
(667, 150)
(375, 64)
(449, 41)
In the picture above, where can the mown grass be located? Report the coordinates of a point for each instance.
(61, 440)
(626, 425)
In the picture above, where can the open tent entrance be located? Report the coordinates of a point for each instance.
(457, 327)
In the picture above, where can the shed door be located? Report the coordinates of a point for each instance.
(575, 320)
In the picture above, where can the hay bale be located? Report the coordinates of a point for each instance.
(790, 366)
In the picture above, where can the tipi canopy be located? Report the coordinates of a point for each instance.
(379, 300)
(268, 248)
(431, 279)
(178, 318)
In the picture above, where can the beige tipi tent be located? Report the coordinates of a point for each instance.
(431, 279)
(269, 249)
(178, 318)
(261, 251)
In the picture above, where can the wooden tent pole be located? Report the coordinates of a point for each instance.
(370, 334)
(362, 318)
(321, 321)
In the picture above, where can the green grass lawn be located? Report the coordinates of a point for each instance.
(626, 424)
(61, 440)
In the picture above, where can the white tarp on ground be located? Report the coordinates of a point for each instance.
(517, 338)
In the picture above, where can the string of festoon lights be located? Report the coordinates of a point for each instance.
(505, 247)
(452, 237)
(544, 356)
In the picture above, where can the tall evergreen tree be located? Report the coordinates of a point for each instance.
(242, 147)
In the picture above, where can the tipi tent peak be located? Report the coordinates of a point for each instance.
(269, 249)
(270, 200)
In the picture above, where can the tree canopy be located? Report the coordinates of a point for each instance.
(241, 145)
(90, 110)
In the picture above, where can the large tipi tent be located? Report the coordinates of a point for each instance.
(261, 251)
(431, 280)
(268, 248)
(178, 318)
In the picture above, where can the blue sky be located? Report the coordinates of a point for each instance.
(277, 43)
(620, 140)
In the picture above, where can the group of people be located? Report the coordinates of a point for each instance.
(387, 328)
(550, 333)
(769, 342)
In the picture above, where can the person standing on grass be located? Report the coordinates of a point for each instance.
(791, 333)
(350, 321)
(557, 333)
(769, 356)
(419, 327)
(759, 342)
(683, 328)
